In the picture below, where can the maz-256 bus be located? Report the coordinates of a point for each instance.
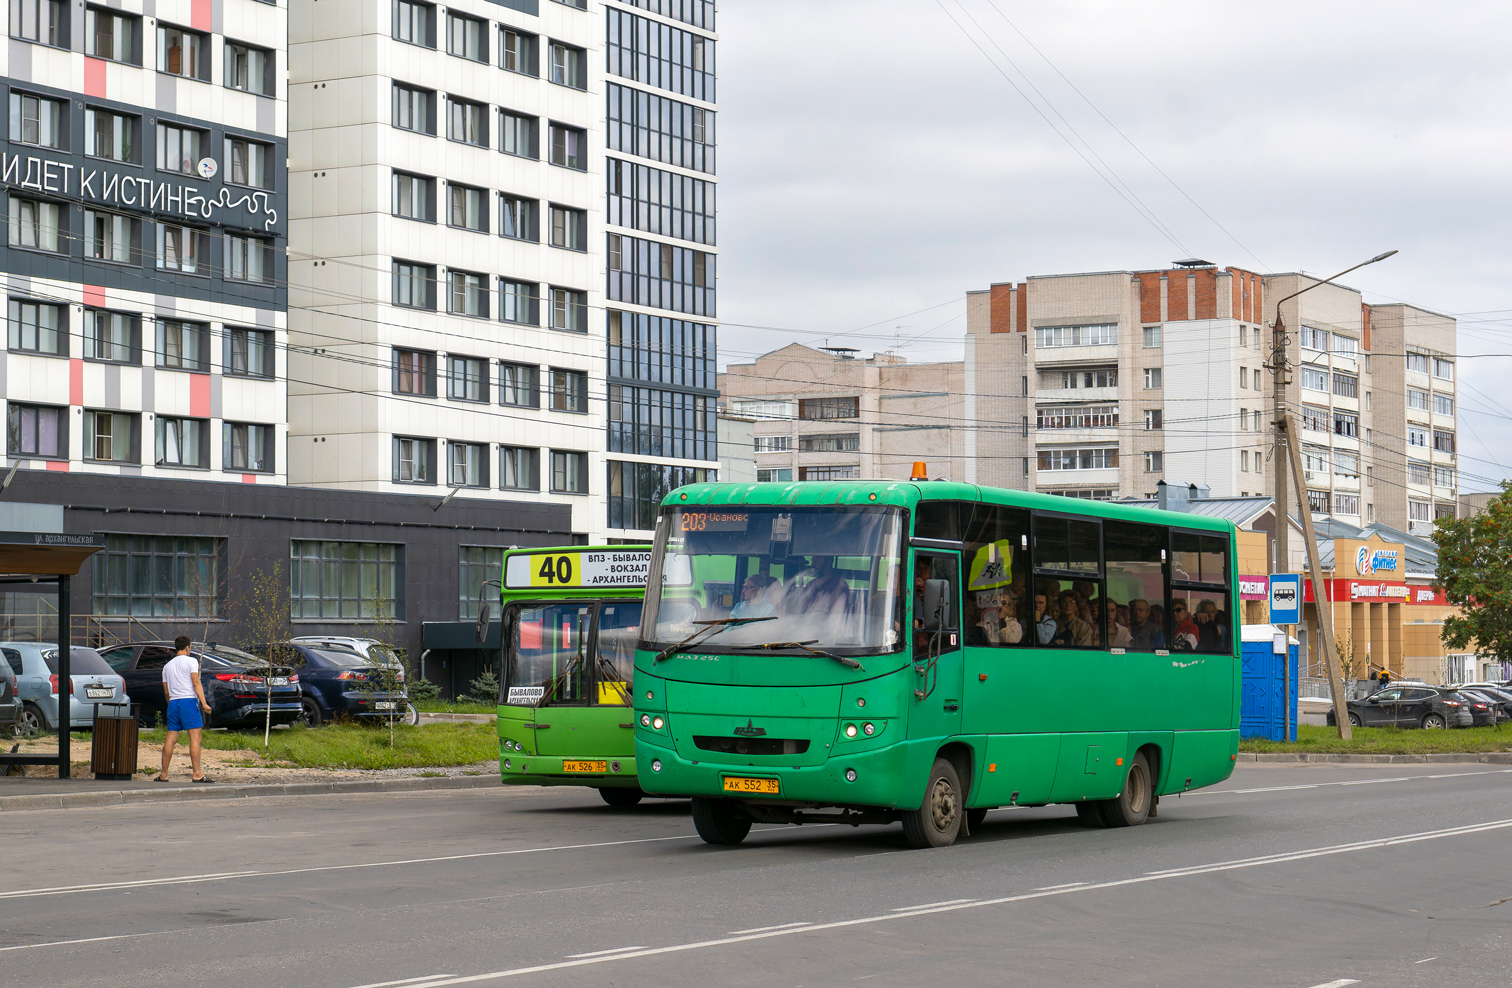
(571, 617)
(925, 652)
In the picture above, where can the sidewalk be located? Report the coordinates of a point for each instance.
(53, 794)
(1447, 758)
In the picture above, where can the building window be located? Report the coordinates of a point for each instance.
(466, 379)
(182, 442)
(657, 422)
(658, 56)
(414, 460)
(168, 576)
(1243, 420)
(183, 345)
(1314, 339)
(1418, 473)
(467, 465)
(1443, 476)
(415, 373)
(847, 442)
(1154, 462)
(774, 444)
(414, 196)
(1346, 465)
(36, 120)
(829, 408)
(1419, 511)
(179, 148)
(1417, 437)
(1154, 419)
(519, 468)
(1345, 424)
(183, 249)
(1049, 337)
(520, 302)
(42, 21)
(249, 352)
(569, 310)
(699, 13)
(1346, 504)
(467, 207)
(1100, 458)
(38, 327)
(110, 437)
(779, 476)
(111, 34)
(467, 294)
(467, 37)
(1152, 379)
(636, 490)
(35, 225)
(36, 430)
(1101, 377)
(659, 275)
(247, 447)
(1443, 405)
(1442, 511)
(1346, 385)
(248, 163)
(518, 218)
(345, 580)
(518, 51)
(414, 109)
(1244, 461)
(1443, 441)
(109, 236)
(249, 258)
(1314, 379)
(763, 408)
(1244, 377)
(183, 52)
(1318, 501)
(476, 565)
(1315, 460)
(569, 390)
(1314, 418)
(520, 385)
(415, 23)
(520, 134)
(1075, 417)
(828, 473)
(109, 135)
(569, 66)
(569, 228)
(1417, 399)
(569, 147)
(111, 336)
(414, 285)
(1347, 346)
(659, 202)
(467, 122)
(1419, 362)
(569, 472)
(666, 130)
(1152, 337)
(249, 69)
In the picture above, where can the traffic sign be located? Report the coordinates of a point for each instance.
(1285, 598)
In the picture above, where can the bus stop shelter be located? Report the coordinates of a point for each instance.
(32, 558)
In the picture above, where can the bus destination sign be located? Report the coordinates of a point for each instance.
(577, 568)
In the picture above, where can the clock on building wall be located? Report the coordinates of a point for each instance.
(206, 168)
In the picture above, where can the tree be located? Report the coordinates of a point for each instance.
(385, 676)
(267, 625)
(1475, 574)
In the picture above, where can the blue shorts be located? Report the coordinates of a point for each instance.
(184, 715)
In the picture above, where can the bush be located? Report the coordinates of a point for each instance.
(421, 690)
(483, 690)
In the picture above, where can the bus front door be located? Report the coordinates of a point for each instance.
(553, 660)
(937, 640)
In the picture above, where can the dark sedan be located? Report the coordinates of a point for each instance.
(1489, 706)
(237, 685)
(1410, 706)
(336, 683)
(1499, 694)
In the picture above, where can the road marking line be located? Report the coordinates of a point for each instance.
(69, 943)
(406, 981)
(611, 950)
(978, 904)
(108, 886)
(768, 929)
(931, 905)
(1425, 960)
(1352, 782)
(1068, 885)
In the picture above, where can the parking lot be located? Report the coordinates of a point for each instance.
(1304, 876)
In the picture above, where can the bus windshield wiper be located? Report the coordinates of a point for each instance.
(808, 647)
(709, 630)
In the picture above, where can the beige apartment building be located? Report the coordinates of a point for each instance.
(1100, 385)
(827, 414)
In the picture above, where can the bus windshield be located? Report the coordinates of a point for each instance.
(831, 576)
(551, 658)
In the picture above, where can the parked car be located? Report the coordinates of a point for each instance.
(1410, 706)
(10, 699)
(236, 684)
(372, 648)
(1499, 693)
(342, 682)
(36, 667)
(1487, 707)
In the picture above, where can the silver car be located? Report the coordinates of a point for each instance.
(35, 665)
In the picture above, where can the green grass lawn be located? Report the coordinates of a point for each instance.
(1388, 741)
(448, 707)
(350, 746)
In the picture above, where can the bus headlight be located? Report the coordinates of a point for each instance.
(645, 720)
(850, 775)
(657, 723)
(850, 730)
(656, 765)
(868, 729)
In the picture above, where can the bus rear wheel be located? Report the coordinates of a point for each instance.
(718, 821)
(616, 796)
(937, 822)
(1131, 807)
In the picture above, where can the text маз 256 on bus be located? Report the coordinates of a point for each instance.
(870, 652)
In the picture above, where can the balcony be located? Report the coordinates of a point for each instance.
(1088, 395)
(1061, 356)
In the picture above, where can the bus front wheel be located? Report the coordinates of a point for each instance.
(938, 821)
(616, 796)
(1131, 807)
(718, 821)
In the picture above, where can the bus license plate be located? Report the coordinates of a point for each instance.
(585, 766)
(767, 786)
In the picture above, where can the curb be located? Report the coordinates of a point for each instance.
(127, 797)
(448, 718)
(1450, 758)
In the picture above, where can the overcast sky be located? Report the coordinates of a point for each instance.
(875, 165)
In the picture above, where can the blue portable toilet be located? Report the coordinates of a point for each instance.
(1261, 710)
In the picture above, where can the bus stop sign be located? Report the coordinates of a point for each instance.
(1285, 598)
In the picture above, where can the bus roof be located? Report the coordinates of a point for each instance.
(905, 494)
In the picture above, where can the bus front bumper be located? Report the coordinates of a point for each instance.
(517, 769)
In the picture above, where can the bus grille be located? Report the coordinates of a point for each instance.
(752, 746)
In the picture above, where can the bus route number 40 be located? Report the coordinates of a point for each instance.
(555, 569)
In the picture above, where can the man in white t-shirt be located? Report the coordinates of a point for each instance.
(186, 698)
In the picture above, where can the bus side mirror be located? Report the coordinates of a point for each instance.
(938, 614)
(480, 632)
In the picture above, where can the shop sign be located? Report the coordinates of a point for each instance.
(1253, 587)
(1369, 561)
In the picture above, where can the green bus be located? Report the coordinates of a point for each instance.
(876, 652)
(571, 617)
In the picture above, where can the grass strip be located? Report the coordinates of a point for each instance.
(448, 707)
(356, 746)
(1314, 739)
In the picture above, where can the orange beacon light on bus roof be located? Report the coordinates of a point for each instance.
(920, 471)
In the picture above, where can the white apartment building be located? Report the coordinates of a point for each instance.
(483, 259)
(1100, 385)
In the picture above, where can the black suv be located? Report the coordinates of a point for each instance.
(236, 684)
(1410, 706)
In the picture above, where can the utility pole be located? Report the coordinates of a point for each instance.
(1286, 435)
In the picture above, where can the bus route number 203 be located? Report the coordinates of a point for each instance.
(554, 571)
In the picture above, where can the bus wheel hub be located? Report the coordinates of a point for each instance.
(942, 805)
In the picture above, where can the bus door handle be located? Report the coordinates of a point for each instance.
(951, 706)
(631, 726)
(535, 727)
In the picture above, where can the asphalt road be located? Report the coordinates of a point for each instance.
(1284, 876)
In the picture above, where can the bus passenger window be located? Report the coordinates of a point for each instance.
(997, 599)
(1206, 627)
(1136, 586)
(1068, 595)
